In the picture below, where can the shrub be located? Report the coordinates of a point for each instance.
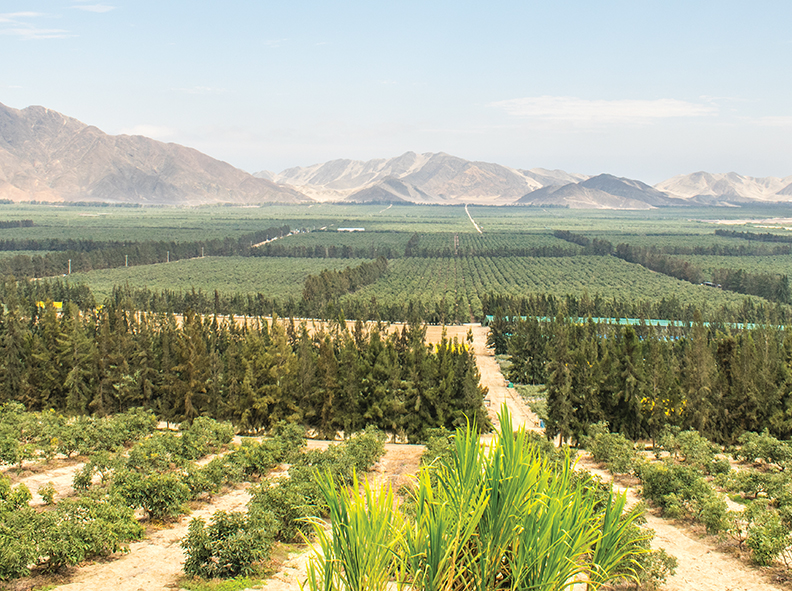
(289, 506)
(161, 496)
(203, 436)
(364, 449)
(47, 493)
(680, 490)
(231, 545)
(612, 449)
(763, 447)
(767, 537)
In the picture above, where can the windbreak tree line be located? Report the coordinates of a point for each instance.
(87, 255)
(641, 380)
(773, 287)
(252, 373)
(505, 308)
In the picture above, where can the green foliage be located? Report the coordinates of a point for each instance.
(612, 449)
(767, 538)
(47, 493)
(203, 436)
(491, 515)
(72, 531)
(161, 496)
(680, 490)
(765, 447)
(232, 584)
(231, 545)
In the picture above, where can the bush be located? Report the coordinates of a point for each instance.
(288, 505)
(161, 496)
(767, 537)
(231, 545)
(612, 449)
(47, 493)
(204, 436)
(763, 447)
(680, 491)
(82, 528)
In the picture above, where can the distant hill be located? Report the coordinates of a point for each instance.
(50, 157)
(725, 188)
(390, 190)
(603, 191)
(434, 178)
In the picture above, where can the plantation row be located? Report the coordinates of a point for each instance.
(453, 289)
(693, 480)
(253, 374)
(159, 474)
(85, 255)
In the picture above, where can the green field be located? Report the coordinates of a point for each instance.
(436, 256)
(780, 264)
(463, 281)
(280, 278)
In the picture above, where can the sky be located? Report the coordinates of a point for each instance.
(643, 89)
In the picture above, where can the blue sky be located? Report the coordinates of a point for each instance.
(643, 89)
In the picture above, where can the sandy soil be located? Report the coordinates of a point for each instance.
(701, 565)
(152, 564)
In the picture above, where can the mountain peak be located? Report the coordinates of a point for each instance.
(48, 156)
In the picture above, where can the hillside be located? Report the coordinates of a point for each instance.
(433, 178)
(47, 156)
(603, 191)
(709, 188)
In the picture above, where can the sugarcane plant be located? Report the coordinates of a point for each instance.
(491, 517)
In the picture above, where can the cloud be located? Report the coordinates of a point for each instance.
(16, 26)
(201, 90)
(574, 110)
(13, 17)
(36, 33)
(94, 7)
(159, 132)
(274, 42)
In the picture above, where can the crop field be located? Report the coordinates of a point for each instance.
(280, 278)
(386, 240)
(781, 264)
(450, 282)
(516, 255)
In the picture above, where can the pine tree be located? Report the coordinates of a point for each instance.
(698, 378)
(559, 381)
(78, 355)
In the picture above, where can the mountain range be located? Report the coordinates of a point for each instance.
(47, 156)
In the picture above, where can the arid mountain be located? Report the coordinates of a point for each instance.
(391, 190)
(709, 188)
(603, 191)
(47, 156)
(440, 177)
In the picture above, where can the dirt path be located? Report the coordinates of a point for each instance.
(701, 566)
(152, 564)
(61, 478)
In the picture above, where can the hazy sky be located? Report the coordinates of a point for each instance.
(644, 89)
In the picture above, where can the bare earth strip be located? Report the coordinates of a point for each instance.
(701, 565)
(154, 563)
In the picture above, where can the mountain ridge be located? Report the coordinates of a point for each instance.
(47, 156)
